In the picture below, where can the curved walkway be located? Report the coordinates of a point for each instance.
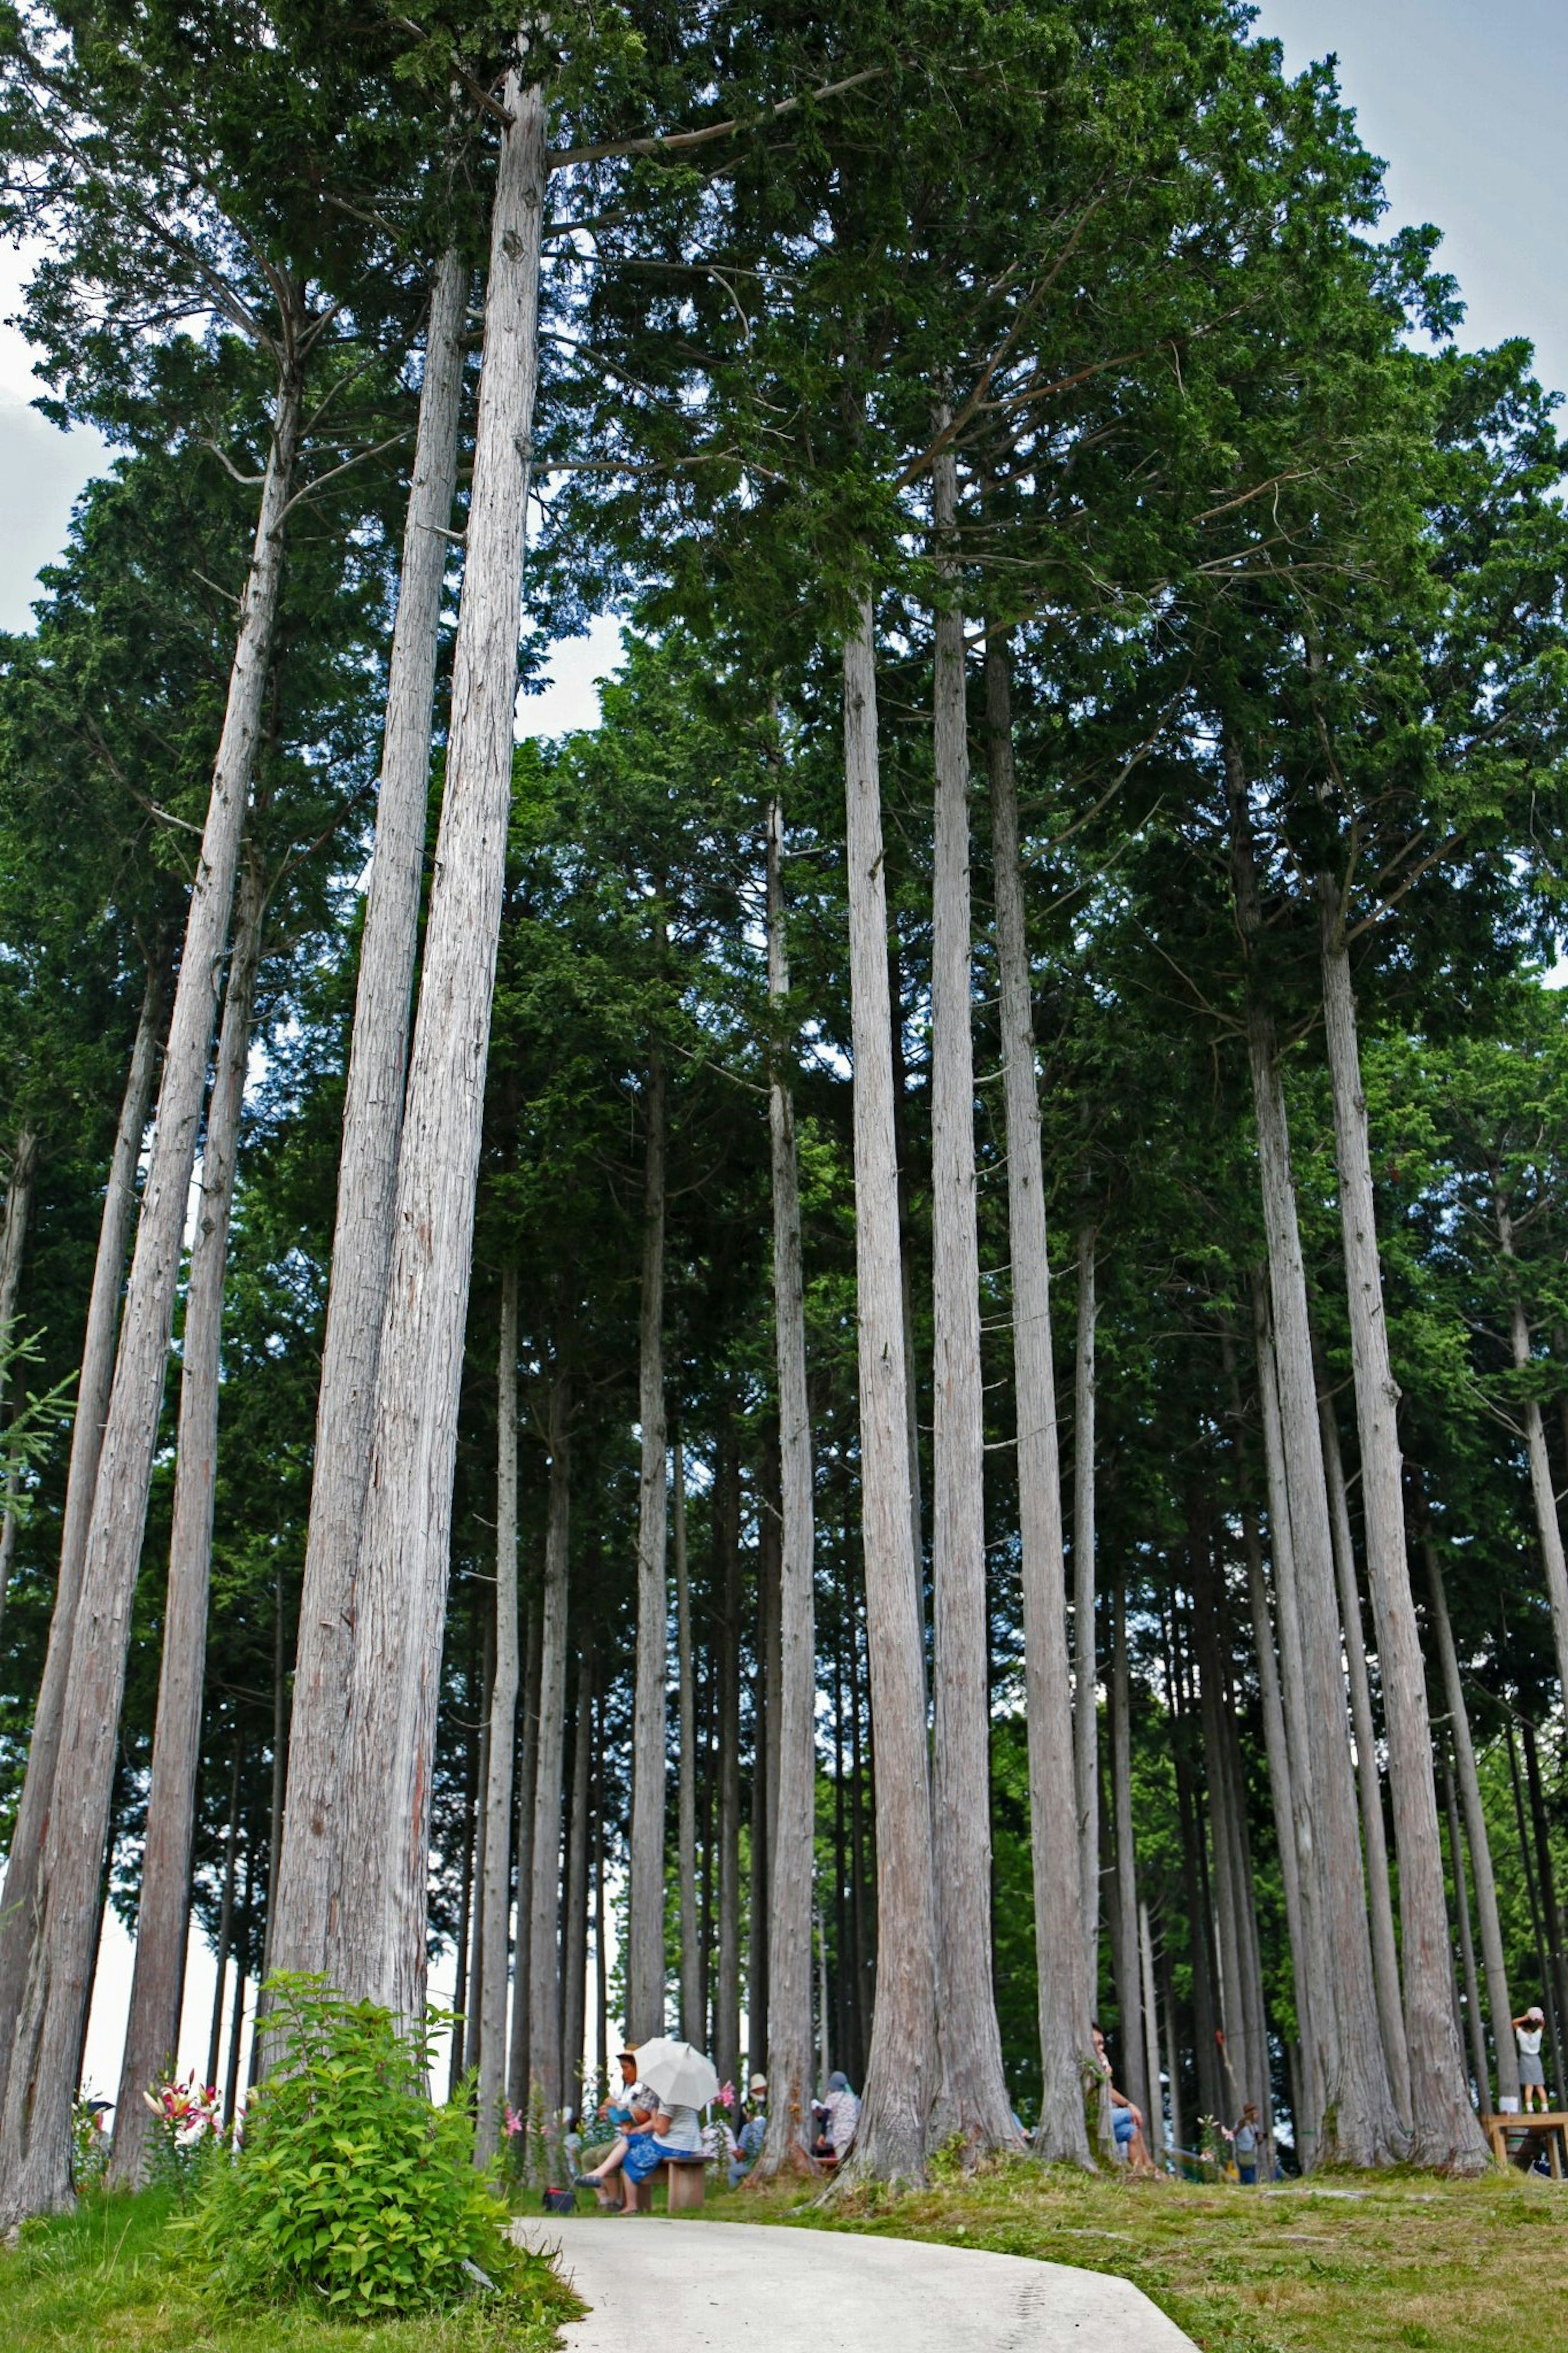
(751, 2287)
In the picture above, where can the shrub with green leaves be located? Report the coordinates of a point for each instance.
(350, 2184)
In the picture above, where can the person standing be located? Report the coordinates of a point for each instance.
(1247, 2139)
(1527, 2033)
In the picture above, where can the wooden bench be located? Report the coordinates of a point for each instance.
(1551, 2127)
(688, 2181)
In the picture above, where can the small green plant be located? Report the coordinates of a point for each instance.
(349, 2186)
(89, 2144)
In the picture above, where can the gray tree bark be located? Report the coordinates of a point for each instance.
(16, 1911)
(367, 1169)
(794, 1823)
(518, 2070)
(163, 1915)
(495, 1893)
(727, 1582)
(1444, 2129)
(1493, 1962)
(1362, 2122)
(1374, 1842)
(1542, 1494)
(1125, 1950)
(692, 2025)
(1067, 2053)
(1086, 1673)
(544, 1933)
(13, 1246)
(890, 2144)
(1475, 2022)
(645, 1923)
(36, 2131)
(574, 2001)
(974, 2088)
(375, 1946)
(1156, 2110)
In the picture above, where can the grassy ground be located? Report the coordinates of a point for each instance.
(1342, 2267)
(104, 2281)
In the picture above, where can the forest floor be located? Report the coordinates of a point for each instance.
(1346, 2266)
(106, 2280)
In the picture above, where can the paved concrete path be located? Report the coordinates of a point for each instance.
(751, 2287)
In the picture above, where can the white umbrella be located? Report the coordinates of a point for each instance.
(677, 2073)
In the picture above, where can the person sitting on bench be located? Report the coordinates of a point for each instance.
(657, 2132)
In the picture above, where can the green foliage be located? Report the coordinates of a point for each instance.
(349, 2185)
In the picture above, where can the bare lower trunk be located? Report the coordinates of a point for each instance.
(1374, 1843)
(87, 1438)
(1361, 2123)
(1548, 1529)
(1156, 2111)
(375, 1946)
(544, 1934)
(975, 2091)
(645, 1924)
(900, 2075)
(1126, 1943)
(574, 1999)
(1475, 2022)
(1067, 2054)
(727, 1583)
(35, 2135)
(1444, 2129)
(691, 2030)
(226, 1911)
(163, 1915)
(13, 1244)
(367, 1170)
(1492, 1961)
(795, 1819)
(495, 1893)
(1086, 1674)
(518, 2070)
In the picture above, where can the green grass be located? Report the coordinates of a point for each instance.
(108, 2279)
(1350, 2265)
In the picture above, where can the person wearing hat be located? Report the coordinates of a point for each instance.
(753, 2132)
(1527, 2033)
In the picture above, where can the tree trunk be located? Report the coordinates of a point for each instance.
(974, 2089)
(1361, 2123)
(1557, 1950)
(1475, 2022)
(1156, 2109)
(472, 2003)
(35, 2133)
(645, 1925)
(1444, 2126)
(1492, 1961)
(519, 2069)
(1085, 1676)
(789, 2057)
(12, 1245)
(1126, 1942)
(1547, 1527)
(575, 1998)
(376, 1940)
(544, 1933)
(226, 1912)
(1061, 1904)
(1374, 1843)
(16, 1913)
(367, 1169)
(692, 2025)
(495, 1905)
(727, 1585)
(163, 1914)
(890, 2143)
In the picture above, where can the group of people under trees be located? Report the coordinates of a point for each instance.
(649, 2129)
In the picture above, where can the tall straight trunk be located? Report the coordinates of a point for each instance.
(795, 1704)
(1086, 1677)
(1060, 1903)
(727, 1585)
(276, 1778)
(375, 1946)
(1475, 2022)
(1543, 1958)
(757, 1941)
(1156, 2111)
(1493, 1963)
(1362, 2122)
(16, 1911)
(544, 1930)
(1374, 1842)
(472, 2003)
(163, 1914)
(900, 2075)
(226, 1912)
(1211, 1641)
(691, 2028)
(1126, 1923)
(974, 2089)
(601, 1956)
(1445, 2131)
(645, 1924)
(1173, 2044)
(495, 1895)
(1275, 1749)
(1557, 1950)
(906, 1240)
(518, 2070)
(574, 1993)
(367, 1168)
(1547, 1528)
(465, 2030)
(36, 2130)
(13, 1246)
(236, 2012)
